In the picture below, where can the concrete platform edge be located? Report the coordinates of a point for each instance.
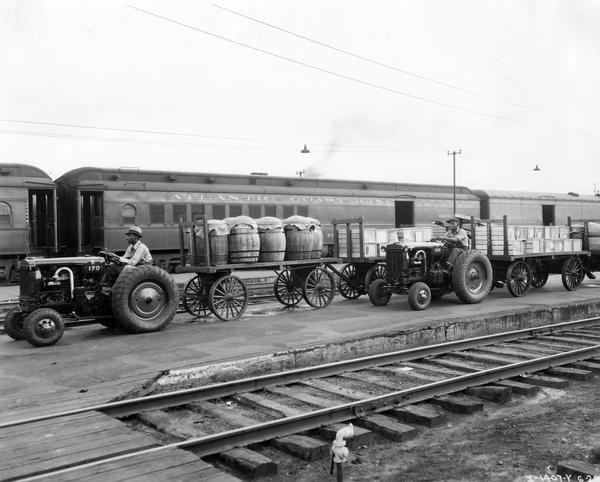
(432, 332)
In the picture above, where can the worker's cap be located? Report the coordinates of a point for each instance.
(453, 220)
(135, 230)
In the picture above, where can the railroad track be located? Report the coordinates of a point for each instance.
(390, 394)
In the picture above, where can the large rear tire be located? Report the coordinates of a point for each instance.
(13, 324)
(144, 299)
(472, 277)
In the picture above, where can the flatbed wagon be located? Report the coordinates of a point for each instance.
(364, 262)
(521, 271)
(216, 289)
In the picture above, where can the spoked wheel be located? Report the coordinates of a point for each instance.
(376, 271)
(287, 291)
(43, 327)
(518, 278)
(228, 298)
(572, 274)
(539, 275)
(319, 288)
(195, 297)
(350, 283)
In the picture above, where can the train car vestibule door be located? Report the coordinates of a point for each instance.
(41, 219)
(92, 236)
(548, 215)
(404, 213)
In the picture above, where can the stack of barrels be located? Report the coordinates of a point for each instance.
(242, 239)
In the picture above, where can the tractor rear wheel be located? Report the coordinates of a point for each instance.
(144, 299)
(472, 277)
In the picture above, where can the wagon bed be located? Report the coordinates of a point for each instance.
(523, 271)
(215, 288)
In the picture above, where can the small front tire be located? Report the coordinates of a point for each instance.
(378, 294)
(43, 327)
(13, 324)
(419, 296)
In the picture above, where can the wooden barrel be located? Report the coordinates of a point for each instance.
(298, 243)
(218, 242)
(272, 239)
(244, 245)
(317, 234)
(272, 245)
(219, 248)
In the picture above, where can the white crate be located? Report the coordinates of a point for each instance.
(578, 244)
(392, 236)
(371, 250)
(406, 234)
(370, 235)
(533, 245)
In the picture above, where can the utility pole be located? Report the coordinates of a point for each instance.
(453, 154)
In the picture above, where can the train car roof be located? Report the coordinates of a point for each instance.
(13, 174)
(167, 180)
(537, 196)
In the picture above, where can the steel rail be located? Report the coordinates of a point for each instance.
(132, 406)
(216, 443)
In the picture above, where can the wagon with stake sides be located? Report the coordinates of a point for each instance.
(522, 257)
(215, 289)
(364, 262)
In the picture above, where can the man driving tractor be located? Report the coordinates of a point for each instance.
(455, 235)
(136, 254)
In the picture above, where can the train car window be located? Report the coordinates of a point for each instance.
(5, 214)
(271, 210)
(179, 211)
(254, 211)
(128, 213)
(235, 210)
(197, 211)
(157, 214)
(218, 211)
(302, 210)
(288, 211)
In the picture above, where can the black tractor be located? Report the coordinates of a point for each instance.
(428, 270)
(55, 291)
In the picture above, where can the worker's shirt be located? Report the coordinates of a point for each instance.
(459, 236)
(136, 255)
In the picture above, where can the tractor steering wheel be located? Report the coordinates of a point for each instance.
(110, 257)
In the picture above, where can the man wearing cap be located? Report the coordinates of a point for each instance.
(455, 235)
(136, 254)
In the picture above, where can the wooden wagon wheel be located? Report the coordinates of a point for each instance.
(318, 288)
(195, 297)
(286, 290)
(350, 283)
(518, 278)
(377, 271)
(539, 275)
(572, 273)
(228, 298)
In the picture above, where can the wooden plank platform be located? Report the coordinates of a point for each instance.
(59, 444)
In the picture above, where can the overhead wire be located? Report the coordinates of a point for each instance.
(357, 80)
(376, 62)
(171, 143)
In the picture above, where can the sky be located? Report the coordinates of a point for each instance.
(376, 89)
